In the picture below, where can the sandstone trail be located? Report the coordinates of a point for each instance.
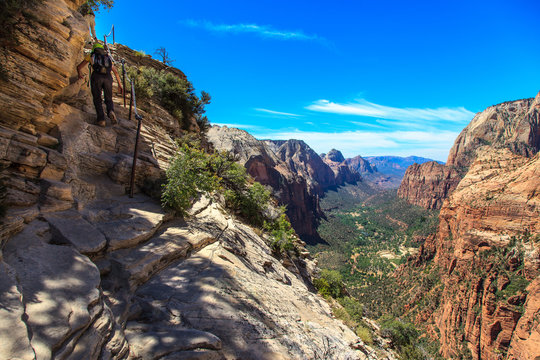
(88, 273)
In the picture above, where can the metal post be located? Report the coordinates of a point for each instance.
(131, 100)
(135, 155)
(113, 35)
(136, 151)
(124, 80)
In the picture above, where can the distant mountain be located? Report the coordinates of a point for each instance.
(395, 165)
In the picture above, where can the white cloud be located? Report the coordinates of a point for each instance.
(279, 113)
(366, 108)
(430, 144)
(238, 126)
(261, 30)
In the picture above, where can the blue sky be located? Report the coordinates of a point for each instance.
(365, 77)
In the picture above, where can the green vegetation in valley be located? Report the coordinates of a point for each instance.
(368, 236)
(173, 93)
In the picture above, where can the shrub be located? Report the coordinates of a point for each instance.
(330, 283)
(97, 4)
(400, 333)
(364, 334)
(282, 234)
(188, 174)
(143, 79)
(175, 94)
(193, 171)
(353, 307)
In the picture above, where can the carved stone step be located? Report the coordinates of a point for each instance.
(126, 222)
(147, 342)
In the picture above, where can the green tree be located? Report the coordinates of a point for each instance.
(96, 5)
(282, 234)
(330, 283)
(188, 174)
(400, 333)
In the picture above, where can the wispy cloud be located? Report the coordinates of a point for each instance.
(278, 113)
(431, 144)
(365, 108)
(260, 30)
(238, 126)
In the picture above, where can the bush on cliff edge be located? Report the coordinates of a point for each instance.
(174, 94)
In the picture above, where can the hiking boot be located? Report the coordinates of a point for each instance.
(112, 116)
(101, 123)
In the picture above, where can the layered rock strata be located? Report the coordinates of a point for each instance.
(487, 253)
(513, 125)
(429, 184)
(297, 175)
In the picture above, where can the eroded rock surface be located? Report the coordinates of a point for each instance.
(487, 254)
(343, 172)
(512, 125)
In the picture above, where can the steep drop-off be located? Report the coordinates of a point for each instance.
(486, 257)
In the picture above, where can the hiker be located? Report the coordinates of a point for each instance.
(101, 81)
(90, 17)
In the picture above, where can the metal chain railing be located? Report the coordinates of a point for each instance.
(132, 104)
(108, 35)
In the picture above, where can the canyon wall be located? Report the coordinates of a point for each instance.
(483, 263)
(343, 172)
(297, 175)
(513, 125)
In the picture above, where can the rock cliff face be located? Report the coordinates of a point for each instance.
(88, 273)
(342, 171)
(263, 163)
(429, 184)
(487, 255)
(297, 175)
(360, 165)
(305, 162)
(514, 125)
(40, 65)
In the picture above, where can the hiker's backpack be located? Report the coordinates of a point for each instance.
(101, 62)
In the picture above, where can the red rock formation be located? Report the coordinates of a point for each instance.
(297, 175)
(294, 188)
(514, 125)
(487, 250)
(342, 172)
(302, 160)
(428, 185)
(360, 165)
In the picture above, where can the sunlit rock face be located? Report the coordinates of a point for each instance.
(297, 175)
(486, 249)
(514, 125)
(342, 171)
